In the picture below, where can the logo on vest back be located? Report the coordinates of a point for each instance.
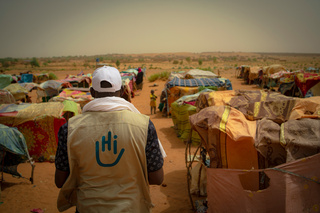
(114, 151)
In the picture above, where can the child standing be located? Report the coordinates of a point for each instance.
(153, 102)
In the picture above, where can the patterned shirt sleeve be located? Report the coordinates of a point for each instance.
(153, 153)
(61, 159)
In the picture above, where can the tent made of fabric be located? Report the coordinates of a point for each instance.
(13, 151)
(78, 81)
(227, 136)
(206, 82)
(294, 187)
(181, 110)
(5, 80)
(254, 73)
(196, 73)
(134, 71)
(6, 97)
(254, 104)
(39, 123)
(18, 91)
(53, 87)
(306, 81)
(269, 70)
(77, 96)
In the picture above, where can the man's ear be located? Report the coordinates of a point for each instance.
(93, 92)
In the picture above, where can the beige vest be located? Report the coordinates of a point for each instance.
(108, 168)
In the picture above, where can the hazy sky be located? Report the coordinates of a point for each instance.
(45, 28)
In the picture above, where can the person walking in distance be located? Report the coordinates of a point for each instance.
(153, 102)
(109, 155)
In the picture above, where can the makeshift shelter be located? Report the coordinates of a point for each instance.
(196, 73)
(281, 132)
(18, 92)
(39, 78)
(83, 81)
(298, 83)
(13, 151)
(253, 75)
(268, 71)
(26, 78)
(177, 87)
(6, 97)
(39, 123)
(5, 80)
(242, 71)
(253, 104)
(53, 88)
(81, 96)
(181, 110)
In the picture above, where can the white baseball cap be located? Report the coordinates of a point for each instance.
(106, 73)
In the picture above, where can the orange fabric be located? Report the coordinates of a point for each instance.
(306, 108)
(228, 137)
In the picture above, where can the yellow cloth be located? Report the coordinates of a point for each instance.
(153, 100)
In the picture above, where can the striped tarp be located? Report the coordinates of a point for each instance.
(206, 82)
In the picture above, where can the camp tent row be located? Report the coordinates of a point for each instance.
(258, 140)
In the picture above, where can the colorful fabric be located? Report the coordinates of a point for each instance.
(228, 137)
(305, 81)
(181, 110)
(13, 150)
(41, 136)
(39, 123)
(17, 91)
(280, 74)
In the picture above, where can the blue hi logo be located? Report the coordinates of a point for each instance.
(103, 148)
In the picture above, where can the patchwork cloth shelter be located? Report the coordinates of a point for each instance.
(13, 151)
(39, 123)
(181, 110)
(5, 80)
(253, 74)
(293, 187)
(73, 94)
(196, 73)
(177, 87)
(40, 77)
(83, 81)
(253, 104)
(18, 91)
(6, 97)
(53, 87)
(272, 146)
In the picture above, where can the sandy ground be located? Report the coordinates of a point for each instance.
(19, 195)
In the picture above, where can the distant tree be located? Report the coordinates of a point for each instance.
(188, 59)
(175, 62)
(200, 61)
(118, 63)
(34, 62)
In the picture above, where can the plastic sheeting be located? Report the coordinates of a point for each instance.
(293, 187)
